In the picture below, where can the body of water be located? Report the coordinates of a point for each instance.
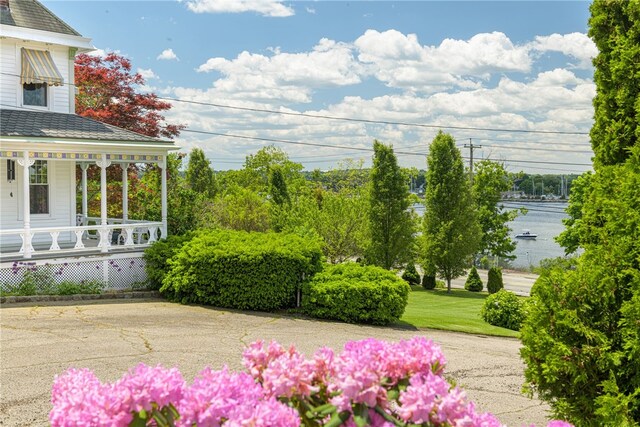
(543, 219)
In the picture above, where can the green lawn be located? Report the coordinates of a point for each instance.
(458, 311)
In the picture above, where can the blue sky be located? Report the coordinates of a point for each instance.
(508, 65)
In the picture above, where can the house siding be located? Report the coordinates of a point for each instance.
(61, 202)
(10, 67)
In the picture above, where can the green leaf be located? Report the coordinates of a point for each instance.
(338, 419)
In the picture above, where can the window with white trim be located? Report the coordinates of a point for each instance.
(39, 187)
(34, 94)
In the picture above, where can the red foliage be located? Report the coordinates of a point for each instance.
(107, 93)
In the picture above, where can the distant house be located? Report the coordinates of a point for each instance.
(43, 144)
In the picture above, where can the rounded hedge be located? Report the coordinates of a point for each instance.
(494, 280)
(411, 275)
(356, 294)
(473, 283)
(238, 269)
(429, 281)
(156, 257)
(504, 309)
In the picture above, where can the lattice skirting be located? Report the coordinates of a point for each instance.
(116, 271)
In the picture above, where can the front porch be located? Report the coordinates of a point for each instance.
(89, 237)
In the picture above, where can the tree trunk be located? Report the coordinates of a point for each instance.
(448, 285)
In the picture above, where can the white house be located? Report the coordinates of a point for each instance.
(42, 143)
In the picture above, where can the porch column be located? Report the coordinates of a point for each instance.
(125, 193)
(26, 162)
(85, 209)
(103, 163)
(163, 167)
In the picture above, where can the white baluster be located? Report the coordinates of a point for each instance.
(79, 242)
(152, 234)
(129, 241)
(26, 243)
(104, 239)
(54, 241)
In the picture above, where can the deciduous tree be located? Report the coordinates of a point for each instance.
(390, 219)
(490, 179)
(108, 91)
(450, 224)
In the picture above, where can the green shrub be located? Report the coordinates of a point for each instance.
(411, 275)
(473, 283)
(356, 294)
(440, 284)
(504, 309)
(156, 257)
(36, 280)
(238, 269)
(494, 281)
(85, 287)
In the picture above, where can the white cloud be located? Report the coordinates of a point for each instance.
(287, 76)
(575, 45)
(98, 52)
(401, 61)
(147, 73)
(483, 82)
(273, 8)
(311, 10)
(167, 55)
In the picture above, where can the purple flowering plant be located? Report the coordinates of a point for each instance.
(371, 383)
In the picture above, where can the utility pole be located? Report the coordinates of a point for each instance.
(471, 147)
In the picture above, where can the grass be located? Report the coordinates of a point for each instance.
(458, 311)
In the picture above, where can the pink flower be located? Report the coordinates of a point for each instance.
(80, 399)
(558, 423)
(145, 385)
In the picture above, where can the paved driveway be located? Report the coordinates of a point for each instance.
(38, 342)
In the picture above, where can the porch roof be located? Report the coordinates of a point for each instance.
(41, 124)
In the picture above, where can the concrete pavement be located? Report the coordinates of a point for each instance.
(39, 341)
(516, 281)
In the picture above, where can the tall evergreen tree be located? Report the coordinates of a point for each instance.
(391, 223)
(278, 187)
(199, 174)
(581, 340)
(451, 231)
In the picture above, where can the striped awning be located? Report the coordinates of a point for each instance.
(38, 67)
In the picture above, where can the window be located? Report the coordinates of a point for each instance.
(39, 187)
(34, 94)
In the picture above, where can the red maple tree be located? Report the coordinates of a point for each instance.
(107, 93)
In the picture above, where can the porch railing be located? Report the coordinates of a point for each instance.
(84, 237)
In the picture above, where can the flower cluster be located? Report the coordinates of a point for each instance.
(370, 383)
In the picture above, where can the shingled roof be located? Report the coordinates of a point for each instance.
(32, 14)
(38, 124)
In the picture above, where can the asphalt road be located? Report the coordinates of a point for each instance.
(39, 341)
(518, 282)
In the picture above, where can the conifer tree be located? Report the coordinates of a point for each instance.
(581, 339)
(199, 174)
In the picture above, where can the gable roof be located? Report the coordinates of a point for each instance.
(37, 124)
(32, 14)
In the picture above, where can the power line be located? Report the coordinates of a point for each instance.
(536, 149)
(384, 122)
(343, 147)
(534, 142)
(352, 119)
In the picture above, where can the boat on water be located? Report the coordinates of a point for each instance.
(526, 234)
